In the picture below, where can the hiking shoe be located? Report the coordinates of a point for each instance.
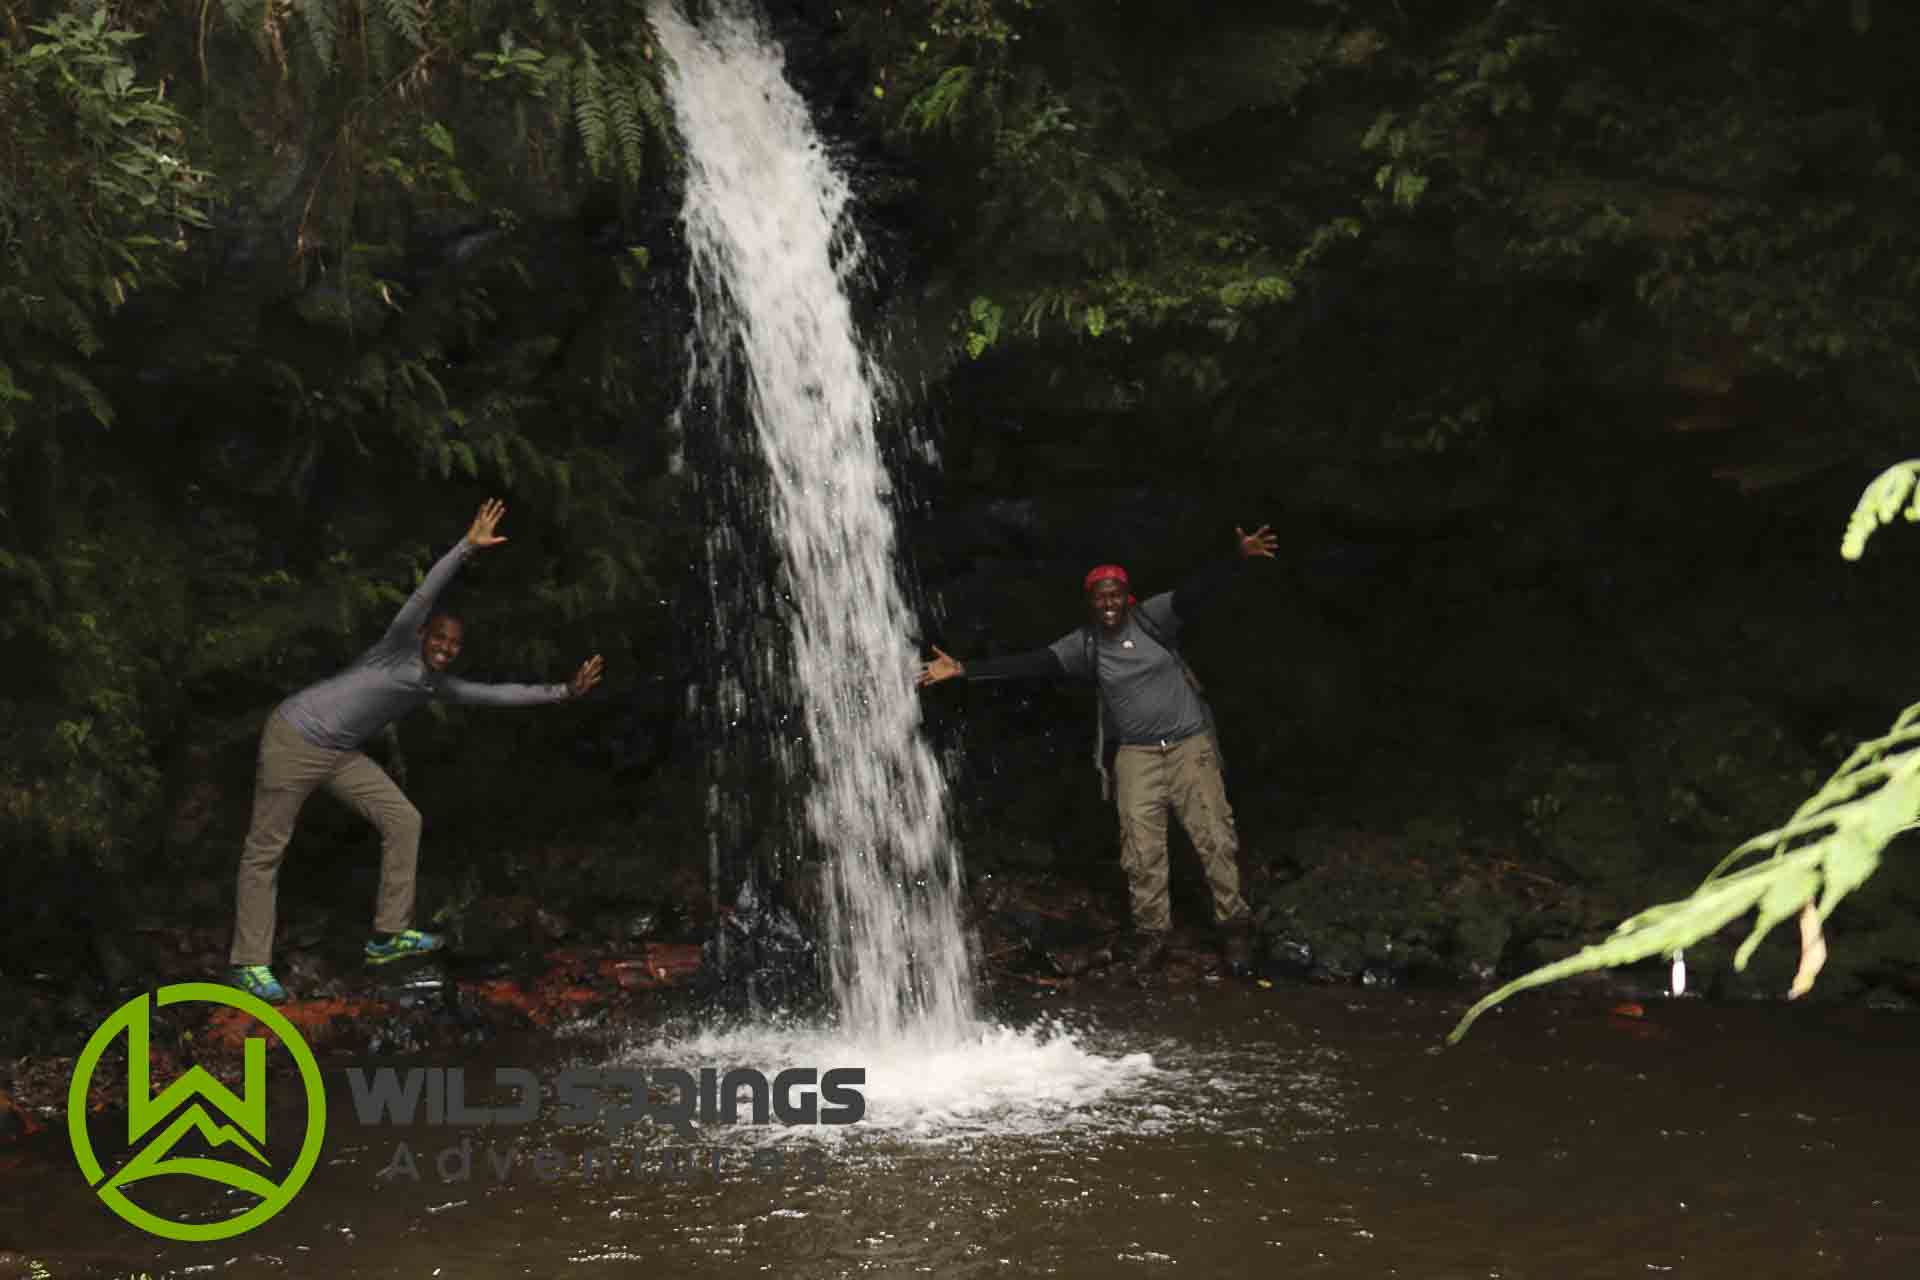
(407, 942)
(257, 980)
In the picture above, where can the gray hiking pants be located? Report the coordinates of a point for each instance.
(1185, 777)
(290, 768)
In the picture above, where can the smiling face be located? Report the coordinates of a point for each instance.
(440, 642)
(1107, 601)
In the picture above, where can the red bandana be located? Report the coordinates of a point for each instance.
(1101, 573)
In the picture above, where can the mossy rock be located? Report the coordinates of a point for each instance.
(1579, 811)
(1721, 770)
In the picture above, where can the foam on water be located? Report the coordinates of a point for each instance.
(1005, 1082)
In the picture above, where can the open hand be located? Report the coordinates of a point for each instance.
(1258, 543)
(943, 667)
(586, 677)
(480, 532)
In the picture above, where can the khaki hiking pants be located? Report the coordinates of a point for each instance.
(290, 768)
(1184, 776)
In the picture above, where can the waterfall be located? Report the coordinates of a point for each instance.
(776, 354)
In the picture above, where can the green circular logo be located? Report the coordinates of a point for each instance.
(205, 1107)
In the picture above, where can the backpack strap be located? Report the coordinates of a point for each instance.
(1154, 634)
(1089, 648)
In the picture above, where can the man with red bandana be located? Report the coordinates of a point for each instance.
(313, 740)
(1167, 755)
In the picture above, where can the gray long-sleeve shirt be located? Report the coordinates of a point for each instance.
(1147, 695)
(1148, 698)
(391, 679)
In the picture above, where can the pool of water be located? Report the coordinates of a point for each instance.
(1218, 1131)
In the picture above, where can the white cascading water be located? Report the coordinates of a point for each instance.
(765, 218)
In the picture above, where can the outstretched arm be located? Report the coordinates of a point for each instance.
(1033, 664)
(473, 694)
(1198, 591)
(403, 631)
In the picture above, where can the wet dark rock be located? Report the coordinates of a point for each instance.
(1072, 961)
(1336, 962)
(1721, 770)
(497, 928)
(762, 956)
(628, 924)
(1288, 954)
(416, 984)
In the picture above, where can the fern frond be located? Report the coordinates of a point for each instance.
(494, 449)
(408, 17)
(652, 106)
(379, 42)
(590, 114)
(1880, 504)
(629, 125)
(83, 387)
(323, 30)
(71, 321)
(242, 13)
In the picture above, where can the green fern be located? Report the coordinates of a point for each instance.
(243, 13)
(408, 17)
(83, 387)
(378, 37)
(323, 30)
(940, 101)
(1880, 504)
(590, 112)
(629, 125)
(75, 324)
(652, 107)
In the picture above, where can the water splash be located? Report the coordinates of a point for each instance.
(776, 350)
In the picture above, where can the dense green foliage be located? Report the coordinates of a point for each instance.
(287, 286)
(284, 290)
(1237, 207)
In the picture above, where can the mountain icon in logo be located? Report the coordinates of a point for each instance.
(197, 1098)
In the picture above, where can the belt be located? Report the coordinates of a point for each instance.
(1159, 744)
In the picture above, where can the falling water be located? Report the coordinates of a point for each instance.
(773, 250)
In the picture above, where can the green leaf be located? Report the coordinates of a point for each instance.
(1836, 837)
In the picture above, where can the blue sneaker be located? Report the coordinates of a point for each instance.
(407, 942)
(257, 980)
